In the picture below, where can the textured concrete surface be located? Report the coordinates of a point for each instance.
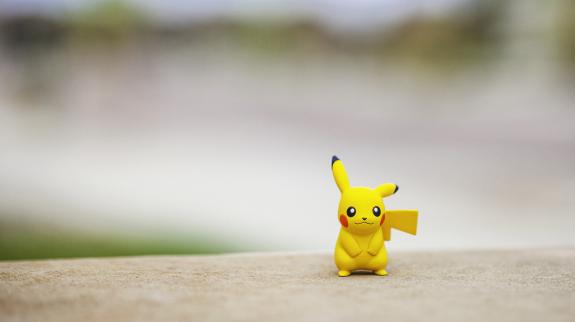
(428, 286)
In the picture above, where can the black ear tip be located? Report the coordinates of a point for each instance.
(396, 188)
(333, 159)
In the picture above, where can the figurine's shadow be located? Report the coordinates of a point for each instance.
(362, 272)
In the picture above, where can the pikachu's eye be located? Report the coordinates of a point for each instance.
(376, 211)
(350, 212)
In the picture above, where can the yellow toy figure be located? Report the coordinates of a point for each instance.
(365, 224)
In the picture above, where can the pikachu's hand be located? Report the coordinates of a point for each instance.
(376, 243)
(355, 252)
(349, 244)
(373, 251)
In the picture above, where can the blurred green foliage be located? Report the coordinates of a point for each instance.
(109, 21)
(464, 37)
(566, 32)
(471, 33)
(459, 36)
(24, 240)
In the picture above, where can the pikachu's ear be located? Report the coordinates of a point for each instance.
(387, 189)
(339, 174)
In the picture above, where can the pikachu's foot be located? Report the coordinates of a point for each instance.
(380, 272)
(343, 273)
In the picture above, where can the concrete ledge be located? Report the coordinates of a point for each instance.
(426, 286)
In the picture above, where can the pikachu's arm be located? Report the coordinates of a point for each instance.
(375, 243)
(404, 220)
(349, 244)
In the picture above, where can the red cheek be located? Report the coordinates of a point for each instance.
(343, 221)
(382, 219)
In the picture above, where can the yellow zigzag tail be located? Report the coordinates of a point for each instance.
(404, 220)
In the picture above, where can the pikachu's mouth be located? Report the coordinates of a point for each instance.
(364, 222)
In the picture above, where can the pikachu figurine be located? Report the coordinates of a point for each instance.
(366, 224)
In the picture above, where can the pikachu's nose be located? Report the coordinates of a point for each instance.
(364, 218)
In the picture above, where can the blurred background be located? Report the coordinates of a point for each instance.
(189, 127)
